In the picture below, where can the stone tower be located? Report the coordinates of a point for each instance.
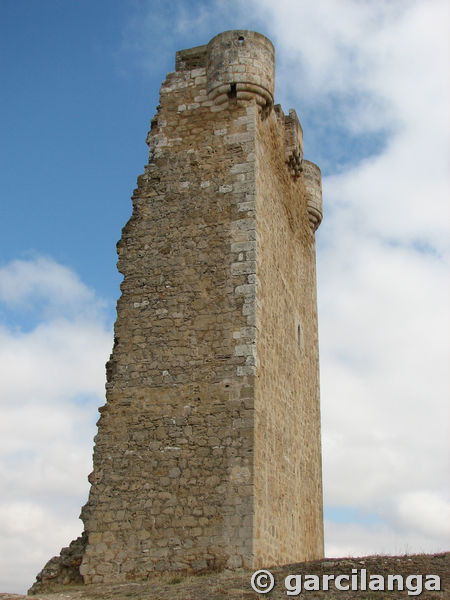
(208, 450)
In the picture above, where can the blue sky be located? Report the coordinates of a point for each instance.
(369, 81)
(80, 87)
(74, 124)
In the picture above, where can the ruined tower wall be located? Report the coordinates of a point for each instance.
(172, 480)
(208, 447)
(288, 482)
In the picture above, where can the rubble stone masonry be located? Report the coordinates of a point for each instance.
(208, 449)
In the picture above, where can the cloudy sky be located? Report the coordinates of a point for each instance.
(370, 83)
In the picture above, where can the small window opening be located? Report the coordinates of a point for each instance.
(232, 92)
(299, 336)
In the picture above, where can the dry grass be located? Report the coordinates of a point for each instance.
(236, 585)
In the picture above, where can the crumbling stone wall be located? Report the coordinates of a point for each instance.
(208, 447)
(171, 486)
(63, 569)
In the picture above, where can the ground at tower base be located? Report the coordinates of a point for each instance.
(236, 585)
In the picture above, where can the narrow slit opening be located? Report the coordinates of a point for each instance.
(232, 92)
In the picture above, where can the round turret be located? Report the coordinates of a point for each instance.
(312, 179)
(241, 65)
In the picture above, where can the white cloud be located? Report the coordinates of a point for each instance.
(55, 290)
(383, 257)
(51, 383)
(427, 512)
(356, 539)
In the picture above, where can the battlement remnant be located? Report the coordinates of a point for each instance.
(208, 451)
(313, 187)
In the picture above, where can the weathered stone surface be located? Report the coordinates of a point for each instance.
(208, 447)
